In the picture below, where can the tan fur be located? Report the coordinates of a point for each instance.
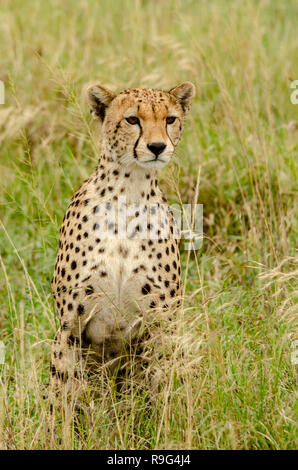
(104, 287)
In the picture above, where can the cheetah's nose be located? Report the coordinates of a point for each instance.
(156, 147)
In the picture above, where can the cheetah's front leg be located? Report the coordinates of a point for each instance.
(66, 383)
(64, 361)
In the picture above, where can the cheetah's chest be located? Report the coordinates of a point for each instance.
(103, 284)
(138, 278)
(134, 274)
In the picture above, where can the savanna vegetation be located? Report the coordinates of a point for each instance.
(229, 381)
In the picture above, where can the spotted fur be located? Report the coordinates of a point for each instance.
(104, 287)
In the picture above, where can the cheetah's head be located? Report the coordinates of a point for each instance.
(141, 126)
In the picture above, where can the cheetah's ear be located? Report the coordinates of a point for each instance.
(99, 99)
(184, 93)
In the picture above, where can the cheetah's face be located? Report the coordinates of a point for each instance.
(141, 126)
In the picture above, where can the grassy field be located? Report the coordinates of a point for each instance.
(229, 382)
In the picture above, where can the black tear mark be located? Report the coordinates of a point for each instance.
(137, 141)
(117, 127)
(169, 136)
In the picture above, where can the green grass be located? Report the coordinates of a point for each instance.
(229, 382)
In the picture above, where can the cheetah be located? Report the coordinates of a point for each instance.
(118, 257)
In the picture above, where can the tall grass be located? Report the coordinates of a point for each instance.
(226, 376)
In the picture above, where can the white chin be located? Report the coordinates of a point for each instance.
(153, 164)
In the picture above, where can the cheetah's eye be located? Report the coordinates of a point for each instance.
(132, 120)
(171, 119)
